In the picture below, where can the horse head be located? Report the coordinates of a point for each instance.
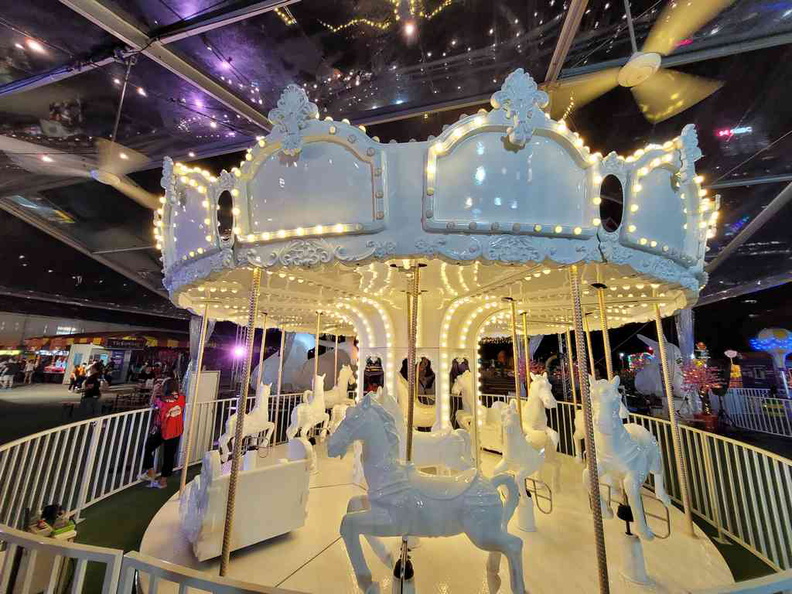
(361, 422)
(346, 371)
(608, 408)
(318, 385)
(540, 386)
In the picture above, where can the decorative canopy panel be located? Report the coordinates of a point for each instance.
(325, 209)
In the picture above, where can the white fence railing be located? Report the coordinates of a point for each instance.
(754, 410)
(743, 491)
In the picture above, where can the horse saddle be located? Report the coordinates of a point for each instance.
(441, 487)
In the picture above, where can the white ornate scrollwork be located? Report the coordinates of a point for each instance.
(614, 165)
(517, 98)
(291, 116)
(511, 248)
(199, 269)
(690, 152)
(439, 247)
(226, 181)
(303, 252)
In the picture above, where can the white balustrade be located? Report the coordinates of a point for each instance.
(754, 410)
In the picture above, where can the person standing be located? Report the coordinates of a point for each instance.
(30, 368)
(8, 373)
(92, 392)
(166, 430)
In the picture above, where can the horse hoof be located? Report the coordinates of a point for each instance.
(647, 534)
(374, 588)
(493, 582)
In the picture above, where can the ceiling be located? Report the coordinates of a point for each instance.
(207, 72)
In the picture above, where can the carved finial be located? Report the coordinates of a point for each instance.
(690, 152)
(517, 97)
(292, 114)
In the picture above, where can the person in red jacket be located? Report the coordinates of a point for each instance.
(166, 428)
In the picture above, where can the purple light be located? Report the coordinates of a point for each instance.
(238, 352)
(225, 64)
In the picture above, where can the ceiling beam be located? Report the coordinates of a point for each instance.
(61, 300)
(131, 35)
(767, 213)
(753, 286)
(571, 25)
(31, 219)
(750, 181)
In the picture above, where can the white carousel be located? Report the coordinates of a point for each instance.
(332, 227)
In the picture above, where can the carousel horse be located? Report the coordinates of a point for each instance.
(445, 448)
(626, 453)
(403, 501)
(256, 422)
(542, 437)
(490, 434)
(310, 412)
(423, 414)
(337, 398)
(519, 454)
(649, 380)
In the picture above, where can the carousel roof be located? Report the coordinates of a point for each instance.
(207, 74)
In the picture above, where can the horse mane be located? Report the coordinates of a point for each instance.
(388, 424)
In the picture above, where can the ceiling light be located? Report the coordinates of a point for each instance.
(141, 91)
(123, 156)
(409, 28)
(35, 46)
(46, 159)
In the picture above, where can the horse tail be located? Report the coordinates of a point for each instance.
(553, 435)
(291, 430)
(507, 480)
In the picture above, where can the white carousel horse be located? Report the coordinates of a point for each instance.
(519, 455)
(423, 414)
(403, 501)
(256, 422)
(310, 412)
(626, 454)
(446, 448)
(542, 437)
(337, 398)
(490, 434)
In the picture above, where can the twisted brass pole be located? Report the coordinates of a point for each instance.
(527, 349)
(412, 335)
(592, 369)
(571, 366)
(515, 358)
(679, 455)
(240, 421)
(335, 364)
(193, 397)
(591, 448)
(316, 347)
(604, 324)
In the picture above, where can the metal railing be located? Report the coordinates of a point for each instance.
(743, 491)
(754, 410)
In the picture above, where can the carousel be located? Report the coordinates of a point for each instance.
(499, 225)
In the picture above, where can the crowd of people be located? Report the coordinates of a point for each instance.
(12, 368)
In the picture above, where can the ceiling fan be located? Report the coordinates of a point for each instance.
(661, 93)
(110, 166)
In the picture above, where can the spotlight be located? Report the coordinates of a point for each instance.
(409, 28)
(238, 352)
(35, 46)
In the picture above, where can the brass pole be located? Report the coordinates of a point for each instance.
(527, 349)
(571, 366)
(604, 324)
(515, 358)
(240, 421)
(261, 354)
(335, 363)
(592, 369)
(316, 347)
(679, 456)
(412, 335)
(193, 396)
(280, 384)
(591, 448)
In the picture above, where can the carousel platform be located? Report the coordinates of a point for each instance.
(558, 557)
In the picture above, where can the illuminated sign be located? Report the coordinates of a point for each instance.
(729, 132)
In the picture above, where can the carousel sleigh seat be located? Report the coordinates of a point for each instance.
(271, 500)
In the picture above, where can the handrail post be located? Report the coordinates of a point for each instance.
(709, 472)
(87, 473)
